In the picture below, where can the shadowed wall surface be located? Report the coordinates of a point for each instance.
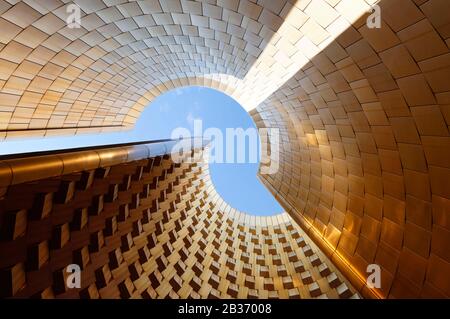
(365, 148)
(363, 113)
(144, 227)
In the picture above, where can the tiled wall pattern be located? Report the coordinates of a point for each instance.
(151, 229)
(365, 148)
(55, 80)
(364, 116)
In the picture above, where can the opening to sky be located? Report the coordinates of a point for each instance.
(238, 183)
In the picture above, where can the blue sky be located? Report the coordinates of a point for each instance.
(236, 183)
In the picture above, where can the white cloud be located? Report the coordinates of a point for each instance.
(190, 118)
